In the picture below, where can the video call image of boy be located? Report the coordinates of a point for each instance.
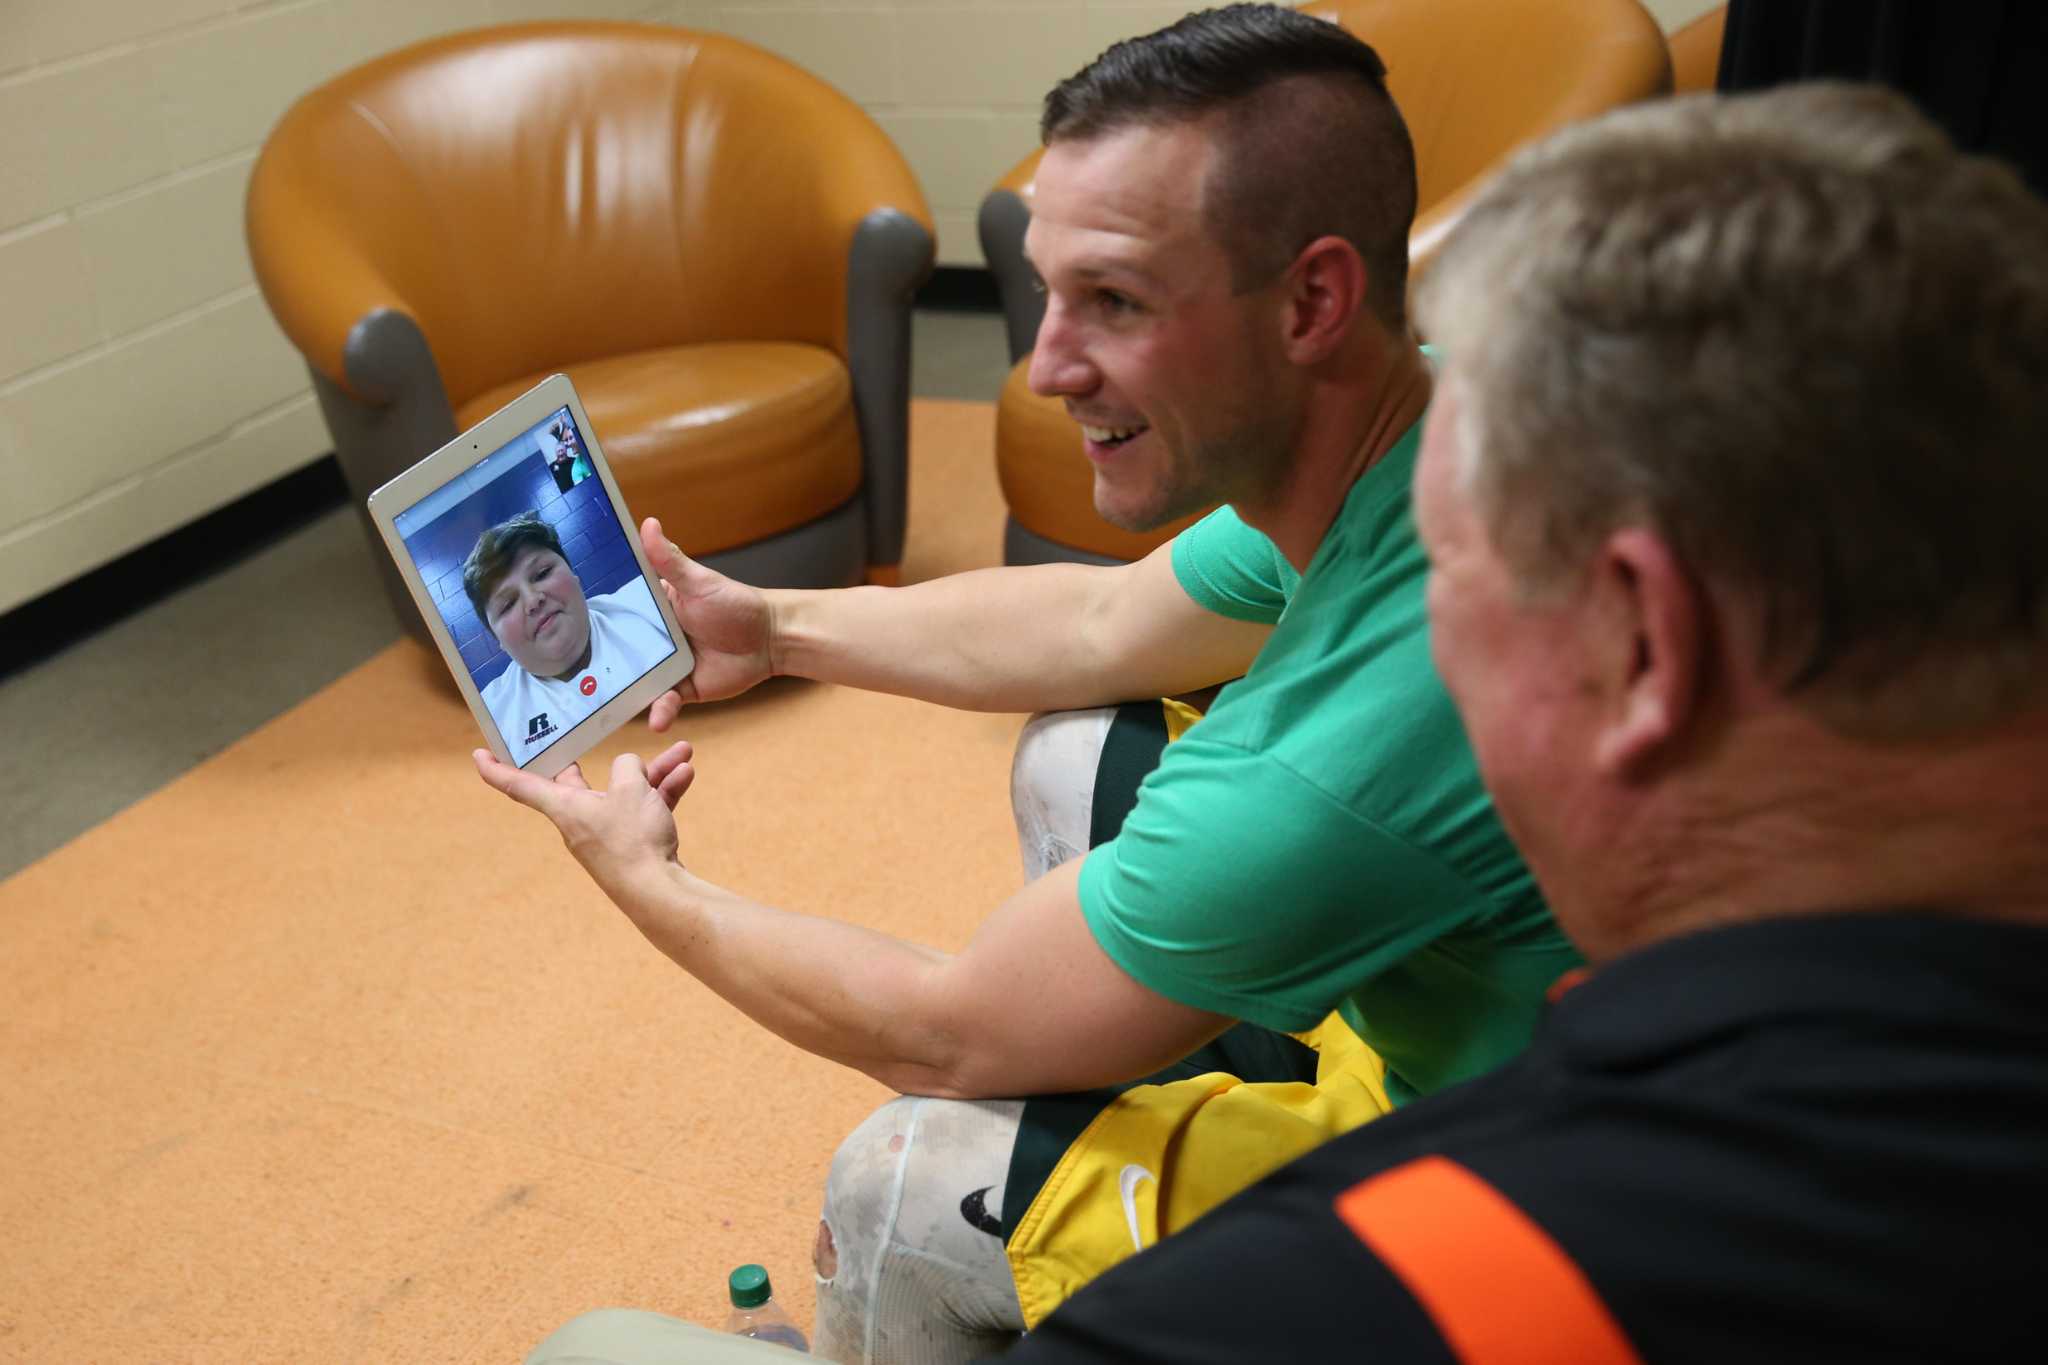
(537, 585)
(570, 653)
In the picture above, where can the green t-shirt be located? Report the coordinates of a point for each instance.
(1320, 840)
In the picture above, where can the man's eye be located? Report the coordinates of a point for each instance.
(1113, 302)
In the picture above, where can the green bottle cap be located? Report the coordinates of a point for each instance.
(748, 1286)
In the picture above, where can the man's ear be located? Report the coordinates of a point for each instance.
(1654, 624)
(1325, 291)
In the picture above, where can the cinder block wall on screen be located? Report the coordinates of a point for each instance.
(142, 382)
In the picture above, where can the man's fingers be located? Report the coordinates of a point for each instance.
(536, 793)
(572, 776)
(663, 713)
(628, 771)
(675, 782)
(670, 772)
(663, 763)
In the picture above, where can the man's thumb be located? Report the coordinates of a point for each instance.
(667, 557)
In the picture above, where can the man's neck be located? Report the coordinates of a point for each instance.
(1809, 827)
(1346, 431)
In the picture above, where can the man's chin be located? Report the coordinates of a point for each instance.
(1138, 517)
(1120, 512)
(1126, 521)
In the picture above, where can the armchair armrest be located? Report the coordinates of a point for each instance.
(373, 374)
(891, 255)
(886, 247)
(1005, 213)
(313, 273)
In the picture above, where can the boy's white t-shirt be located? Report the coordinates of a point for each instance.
(627, 637)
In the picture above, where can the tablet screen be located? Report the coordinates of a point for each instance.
(532, 573)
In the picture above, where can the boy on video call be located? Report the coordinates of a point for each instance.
(570, 653)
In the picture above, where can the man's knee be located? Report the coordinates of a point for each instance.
(868, 1165)
(628, 1336)
(825, 1253)
(916, 1161)
(595, 1335)
(1057, 754)
(1052, 784)
(910, 1248)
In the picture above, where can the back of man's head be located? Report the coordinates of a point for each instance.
(1804, 339)
(1309, 142)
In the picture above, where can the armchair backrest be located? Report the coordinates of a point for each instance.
(1475, 79)
(539, 195)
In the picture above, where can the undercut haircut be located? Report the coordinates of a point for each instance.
(1309, 143)
(497, 550)
(1805, 340)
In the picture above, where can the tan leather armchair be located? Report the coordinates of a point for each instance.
(1474, 78)
(718, 248)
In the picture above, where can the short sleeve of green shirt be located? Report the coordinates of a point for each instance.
(1232, 570)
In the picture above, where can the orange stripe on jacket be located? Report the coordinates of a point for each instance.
(1499, 1289)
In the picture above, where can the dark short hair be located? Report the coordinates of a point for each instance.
(497, 549)
(1310, 145)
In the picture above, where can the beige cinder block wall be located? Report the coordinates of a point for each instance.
(957, 83)
(142, 382)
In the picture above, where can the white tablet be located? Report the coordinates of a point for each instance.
(529, 572)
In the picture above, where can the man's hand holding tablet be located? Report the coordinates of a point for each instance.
(731, 628)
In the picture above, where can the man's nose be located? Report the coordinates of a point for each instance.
(1059, 366)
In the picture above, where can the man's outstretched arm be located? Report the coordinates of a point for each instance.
(1031, 1005)
(1039, 637)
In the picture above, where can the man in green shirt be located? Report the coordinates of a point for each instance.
(1220, 221)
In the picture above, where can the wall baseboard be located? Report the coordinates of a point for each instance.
(44, 626)
(960, 289)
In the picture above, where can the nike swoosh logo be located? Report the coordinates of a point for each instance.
(974, 1208)
(1127, 1186)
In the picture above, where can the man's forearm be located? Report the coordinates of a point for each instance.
(1008, 639)
(846, 993)
(1032, 1005)
(1041, 637)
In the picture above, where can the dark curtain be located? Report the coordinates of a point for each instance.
(1979, 68)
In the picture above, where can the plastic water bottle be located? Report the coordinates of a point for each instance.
(755, 1313)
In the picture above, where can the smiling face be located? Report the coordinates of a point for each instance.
(1180, 387)
(538, 613)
